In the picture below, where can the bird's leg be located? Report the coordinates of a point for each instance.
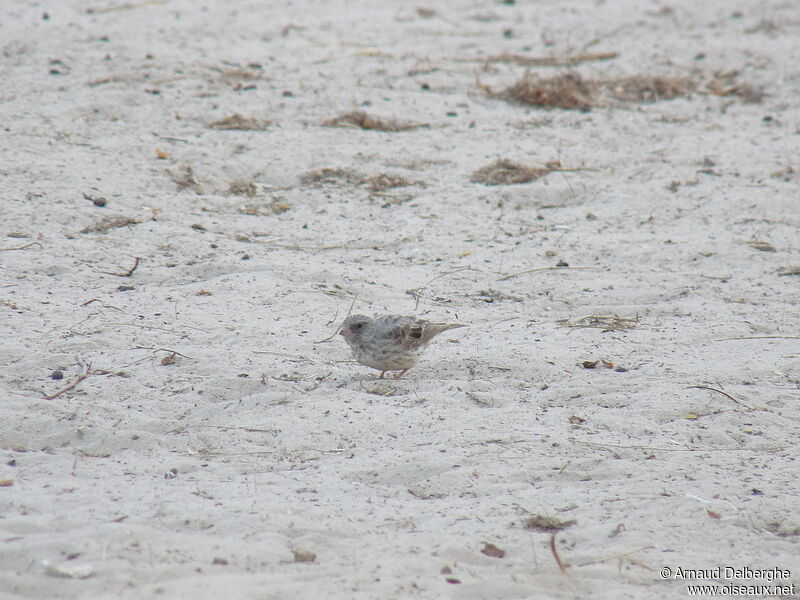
(381, 375)
(400, 374)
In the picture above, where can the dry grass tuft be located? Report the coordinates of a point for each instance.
(604, 322)
(375, 184)
(648, 89)
(108, 223)
(386, 181)
(186, 179)
(726, 84)
(328, 175)
(567, 91)
(570, 91)
(788, 173)
(790, 270)
(243, 188)
(240, 123)
(546, 523)
(362, 120)
(503, 172)
(275, 207)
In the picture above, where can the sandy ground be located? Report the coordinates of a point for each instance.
(203, 443)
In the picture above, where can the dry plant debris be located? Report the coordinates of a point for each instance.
(361, 119)
(725, 84)
(86, 371)
(503, 172)
(568, 91)
(543, 523)
(124, 6)
(561, 266)
(240, 123)
(385, 181)
(641, 88)
(604, 322)
(128, 272)
(187, 179)
(23, 247)
(375, 184)
(787, 174)
(761, 245)
(275, 207)
(546, 61)
(239, 74)
(792, 270)
(561, 566)
(572, 92)
(388, 200)
(331, 175)
(104, 225)
(243, 188)
(490, 296)
(591, 364)
(304, 556)
(493, 551)
(726, 394)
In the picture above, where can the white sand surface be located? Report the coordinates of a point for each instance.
(204, 443)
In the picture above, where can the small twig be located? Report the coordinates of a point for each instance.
(156, 328)
(86, 372)
(127, 273)
(161, 350)
(207, 453)
(555, 554)
(91, 300)
(760, 337)
(289, 357)
(374, 247)
(28, 245)
(660, 449)
(333, 335)
(67, 387)
(126, 6)
(573, 169)
(183, 428)
(543, 61)
(416, 293)
(710, 389)
(173, 139)
(390, 195)
(502, 321)
(623, 555)
(599, 39)
(606, 322)
(445, 274)
(537, 269)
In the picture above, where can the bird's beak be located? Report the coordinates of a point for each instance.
(344, 331)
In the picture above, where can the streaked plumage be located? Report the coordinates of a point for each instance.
(390, 342)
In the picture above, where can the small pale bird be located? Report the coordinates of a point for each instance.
(390, 342)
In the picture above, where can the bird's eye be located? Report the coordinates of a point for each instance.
(356, 326)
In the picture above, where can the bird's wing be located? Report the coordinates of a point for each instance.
(406, 332)
(409, 332)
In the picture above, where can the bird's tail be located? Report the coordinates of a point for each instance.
(435, 329)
